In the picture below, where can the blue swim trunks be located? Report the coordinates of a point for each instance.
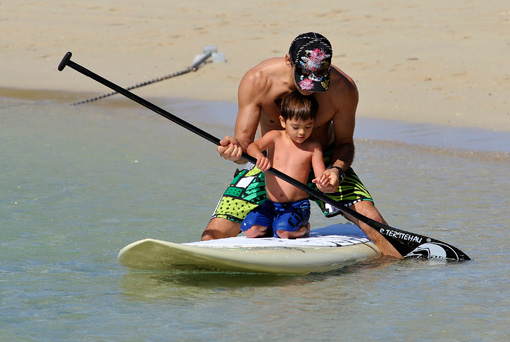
(288, 216)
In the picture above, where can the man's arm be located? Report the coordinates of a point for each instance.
(247, 121)
(344, 122)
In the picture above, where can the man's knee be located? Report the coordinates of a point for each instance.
(219, 228)
(368, 209)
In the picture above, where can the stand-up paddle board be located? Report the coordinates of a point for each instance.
(326, 249)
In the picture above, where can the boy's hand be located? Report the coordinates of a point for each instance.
(263, 164)
(325, 183)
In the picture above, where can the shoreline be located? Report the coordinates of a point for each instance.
(418, 62)
(460, 141)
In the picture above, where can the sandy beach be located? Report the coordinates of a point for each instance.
(433, 62)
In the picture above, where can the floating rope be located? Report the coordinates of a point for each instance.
(193, 67)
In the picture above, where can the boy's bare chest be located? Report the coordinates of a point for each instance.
(286, 155)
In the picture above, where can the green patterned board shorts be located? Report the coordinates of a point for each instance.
(248, 189)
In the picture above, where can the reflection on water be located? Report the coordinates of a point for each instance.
(145, 286)
(153, 285)
(79, 183)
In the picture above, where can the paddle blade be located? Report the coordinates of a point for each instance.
(412, 245)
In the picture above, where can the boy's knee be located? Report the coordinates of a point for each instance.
(255, 231)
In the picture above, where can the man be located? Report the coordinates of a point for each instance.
(307, 68)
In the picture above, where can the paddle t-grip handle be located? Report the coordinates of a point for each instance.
(64, 61)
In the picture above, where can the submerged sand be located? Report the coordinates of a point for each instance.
(431, 61)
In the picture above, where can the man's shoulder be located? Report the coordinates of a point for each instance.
(262, 82)
(342, 90)
(339, 79)
(270, 62)
(265, 69)
(341, 98)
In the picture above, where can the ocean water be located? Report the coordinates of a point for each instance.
(78, 183)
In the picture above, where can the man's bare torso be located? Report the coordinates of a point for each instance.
(274, 88)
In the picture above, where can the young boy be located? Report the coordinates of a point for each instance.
(286, 211)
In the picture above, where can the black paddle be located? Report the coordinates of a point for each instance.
(408, 244)
(193, 67)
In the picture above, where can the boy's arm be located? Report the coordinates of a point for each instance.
(255, 149)
(318, 161)
(322, 180)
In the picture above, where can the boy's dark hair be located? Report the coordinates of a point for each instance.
(298, 106)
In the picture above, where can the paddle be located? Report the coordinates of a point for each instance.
(406, 243)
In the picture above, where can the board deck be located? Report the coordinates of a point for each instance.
(326, 249)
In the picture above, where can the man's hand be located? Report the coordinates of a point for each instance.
(230, 149)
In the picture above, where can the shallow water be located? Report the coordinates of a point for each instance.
(79, 183)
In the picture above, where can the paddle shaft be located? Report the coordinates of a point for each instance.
(403, 241)
(193, 67)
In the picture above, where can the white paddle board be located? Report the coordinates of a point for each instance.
(326, 249)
